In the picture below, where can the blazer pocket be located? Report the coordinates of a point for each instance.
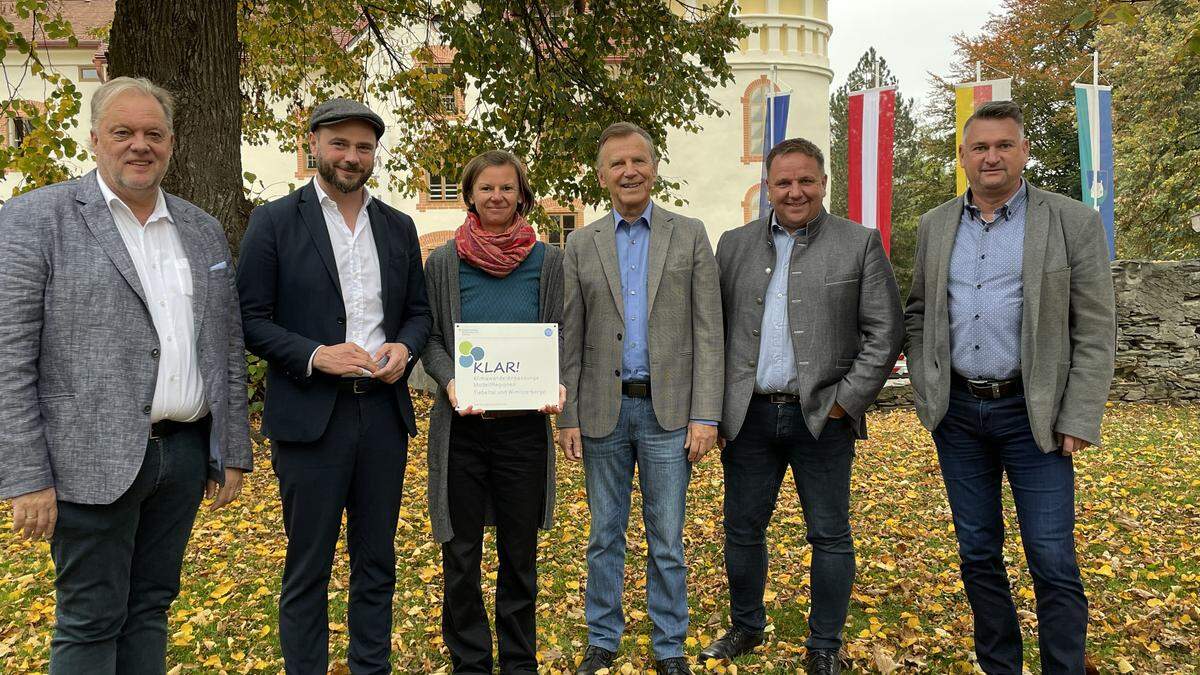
(843, 278)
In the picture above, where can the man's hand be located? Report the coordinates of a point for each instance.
(571, 442)
(700, 439)
(223, 494)
(554, 409)
(344, 359)
(836, 412)
(1071, 445)
(454, 401)
(35, 513)
(397, 362)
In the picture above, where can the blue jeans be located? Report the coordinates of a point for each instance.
(978, 442)
(773, 438)
(663, 473)
(118, 564)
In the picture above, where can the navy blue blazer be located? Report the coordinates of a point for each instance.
(292, 303)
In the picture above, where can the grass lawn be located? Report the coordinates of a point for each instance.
(1139, 521)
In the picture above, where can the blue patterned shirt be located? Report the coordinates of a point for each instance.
(985, 290)
(776, 372)
(633, 259)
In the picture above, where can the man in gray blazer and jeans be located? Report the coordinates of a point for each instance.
(813, 327)
(642, 365)
(123, 380)
(1011, 334)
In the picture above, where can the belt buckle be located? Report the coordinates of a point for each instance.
(366, 385)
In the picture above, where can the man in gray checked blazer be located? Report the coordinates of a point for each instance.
(813, 327)
(642, 362)
(123, 380)
(1011, 334)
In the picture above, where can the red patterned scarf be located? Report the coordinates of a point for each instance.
(496, 254)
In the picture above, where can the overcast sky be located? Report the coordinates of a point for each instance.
(913, 37)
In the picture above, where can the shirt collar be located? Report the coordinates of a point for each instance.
(1014, 203)
(325, 200)
(645, 214)
(160, 205)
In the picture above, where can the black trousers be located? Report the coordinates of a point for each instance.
(117, 565)
(501, 461)
(356, 466)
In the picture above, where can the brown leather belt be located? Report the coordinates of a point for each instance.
(988, 390)
(164, 428)
(636, 389)
(778, 399)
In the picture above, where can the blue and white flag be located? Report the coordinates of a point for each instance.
(774, 131)
(1093, 109)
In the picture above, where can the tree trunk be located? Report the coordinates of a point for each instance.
(190, 47)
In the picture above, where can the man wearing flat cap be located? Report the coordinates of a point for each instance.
(333, 298)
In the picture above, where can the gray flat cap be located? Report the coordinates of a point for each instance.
(342, 109)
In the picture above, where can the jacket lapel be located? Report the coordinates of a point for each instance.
(1037, 230)
(310, 213)
(662, 224)
(194, 249)
(100, 221)
(606, 245)
(380, 233)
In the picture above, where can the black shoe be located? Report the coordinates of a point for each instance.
(732, 644)
(595, 658)
(823, 662)
(677, 665)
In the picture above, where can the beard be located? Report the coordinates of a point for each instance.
(328, 171)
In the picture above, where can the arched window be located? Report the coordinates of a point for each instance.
(750, 203)
(754, 117)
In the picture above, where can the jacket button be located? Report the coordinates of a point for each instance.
(154, 353)
(754, 332)
(146, 409)
(341, 321)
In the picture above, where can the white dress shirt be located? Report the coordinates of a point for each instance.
(357, 262)
(166, 277)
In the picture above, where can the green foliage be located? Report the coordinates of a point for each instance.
(542, 78)
(1156, 131)
(44, 154)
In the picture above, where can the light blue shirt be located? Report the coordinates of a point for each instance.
(776, 372)
(633, 259)
(985, 290)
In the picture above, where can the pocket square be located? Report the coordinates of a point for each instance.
(219, 266)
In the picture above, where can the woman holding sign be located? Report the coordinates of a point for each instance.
(490, 467)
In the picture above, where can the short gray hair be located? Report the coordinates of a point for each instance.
(621, 130)
(997, 110)
(103, 97)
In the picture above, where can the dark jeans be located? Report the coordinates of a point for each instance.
(501, 462)
(117, 565)
(978, 442)
(356, 466)
(772, 438)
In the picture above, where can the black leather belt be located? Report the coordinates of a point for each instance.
(357, 385)
(988, 390)
(778, 399)
(636, 389)
(164, 428)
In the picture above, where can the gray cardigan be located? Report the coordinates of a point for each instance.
(441, 280)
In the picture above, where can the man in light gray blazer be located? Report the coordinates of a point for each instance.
(1011, 334)
(642, 365)
(123, 380)
(813, 327)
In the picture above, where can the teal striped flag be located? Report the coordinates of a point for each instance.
(1093, 109)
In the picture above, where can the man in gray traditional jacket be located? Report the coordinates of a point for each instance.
(123, 380)
(812, 329)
